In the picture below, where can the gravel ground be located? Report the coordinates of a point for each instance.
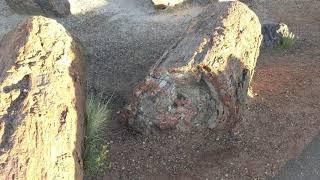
(306, 166)
(124, 38)
(8, 19)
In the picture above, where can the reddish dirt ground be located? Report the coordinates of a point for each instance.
(128, 36)
(281, 119)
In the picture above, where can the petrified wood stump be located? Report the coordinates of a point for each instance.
(203, 79)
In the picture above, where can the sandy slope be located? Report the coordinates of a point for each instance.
(8, 18)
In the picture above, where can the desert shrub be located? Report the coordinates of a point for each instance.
(286, 41)
(96, 151)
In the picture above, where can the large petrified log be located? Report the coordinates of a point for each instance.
(41, 102)
(48, 7)
(202, 80)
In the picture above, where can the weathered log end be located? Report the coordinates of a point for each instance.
(201, 81)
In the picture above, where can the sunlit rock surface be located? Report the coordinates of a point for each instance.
(202, 80)
(41, 102)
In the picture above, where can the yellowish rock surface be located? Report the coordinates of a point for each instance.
(41, 102)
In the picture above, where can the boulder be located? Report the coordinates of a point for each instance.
(41, 102)
(47, 7)
(162, 4)
(202, 80)
(273, 33)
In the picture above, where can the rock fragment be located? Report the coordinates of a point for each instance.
(162, 4)
(47, 7)
(273, 32)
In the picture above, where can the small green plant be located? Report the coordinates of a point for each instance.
(286, 41)
(95, 157)
(97, 115)
(96, 151)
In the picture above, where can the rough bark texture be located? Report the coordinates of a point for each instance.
(162, 4)
(203, 79)
(41, 102)
(48, 7)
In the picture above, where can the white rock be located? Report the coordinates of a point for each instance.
(162, 4)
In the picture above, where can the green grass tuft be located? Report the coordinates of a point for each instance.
(97, 115)
(287, 41)
(96, 151)
(95, 158)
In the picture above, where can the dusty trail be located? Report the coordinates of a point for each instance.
(124, 39)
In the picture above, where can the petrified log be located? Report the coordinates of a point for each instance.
(41, 102)
(203, 79)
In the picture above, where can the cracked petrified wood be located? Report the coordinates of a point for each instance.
(41, 102)
(203, 79)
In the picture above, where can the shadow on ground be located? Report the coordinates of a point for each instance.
(305, 166)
